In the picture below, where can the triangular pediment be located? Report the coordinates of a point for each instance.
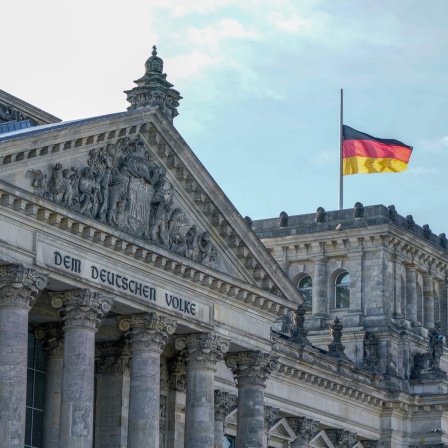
(321, 440)
(133, 172)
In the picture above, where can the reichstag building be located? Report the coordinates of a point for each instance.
(139, 309)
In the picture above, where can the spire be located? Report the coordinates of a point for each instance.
(153, 90)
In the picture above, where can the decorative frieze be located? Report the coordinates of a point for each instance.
(203, 349)
(223, 401)
(304, 428)
(20, 285)
(51, 336)
(252, 367)
(112, 357)
(123, 186)
(147, 331)
(81, 307)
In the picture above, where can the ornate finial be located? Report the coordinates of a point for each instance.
(153, 90)
(335, 347)
(299, 332)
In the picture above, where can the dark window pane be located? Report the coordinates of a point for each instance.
(38, 424)
(30, 350)
(306, 282)
(39, 390)
(342, 297)
(28, 426)
(307, 295)
(29, 387)
(229, 442)
(39, 357)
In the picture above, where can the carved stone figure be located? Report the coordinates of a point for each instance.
(299, 332)
(336, 348)
(426, 231)
(123, 186)
(410, 221)
(392, 212)
(370, 352)
(358, 210)
(443, 240)
(284, 219)
(249, 221)
(435, 346)
(320, 214)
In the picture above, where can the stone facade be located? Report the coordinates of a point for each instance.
(165, 324)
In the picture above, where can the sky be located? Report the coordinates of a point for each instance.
(260, 82)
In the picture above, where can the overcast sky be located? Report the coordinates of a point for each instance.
(261, 82)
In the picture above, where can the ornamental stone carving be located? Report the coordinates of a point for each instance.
(393, 214)
(283, 219)
(202, 349)
(177, 374)
(341, 438)
(123, 186)
(162, 421)
(373, 444)
(223, 402)
(298, 334)
(9, 113)
(410, 221)
(51, 337)
(81, 307)
(147, 331)
(153, 90)
(270, 415)
(20, 285)
(249, 221)
(304, 428)
(358, 210)
(320, 215)
(251, 367)
(443, 240)
(113, 357)
(427, 231)
(335, 347)
(370, 351)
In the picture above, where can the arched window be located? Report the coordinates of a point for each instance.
(342, 290)
(305, 288)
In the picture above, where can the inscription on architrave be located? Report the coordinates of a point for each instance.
(123, 186)
(120, 281)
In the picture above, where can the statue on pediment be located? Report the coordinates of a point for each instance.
(123, 186)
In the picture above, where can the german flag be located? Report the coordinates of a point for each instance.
(364, 154)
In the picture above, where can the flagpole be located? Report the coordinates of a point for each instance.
(341, 182)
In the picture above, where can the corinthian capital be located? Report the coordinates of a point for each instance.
(341, 438)
(203, 349)
(81, 307)
(51, 337)
(223, 401)
(19, 285)
(147, 331)
(270, 415)
(251, 367)
(112, 357)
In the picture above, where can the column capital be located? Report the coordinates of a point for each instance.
(203, 349)
(304, 428)
(20, 285)
(223, 401)
(147, 332)
(51, 336)
(251, 367)
(341, 437)
(113, 357)
(81, 308)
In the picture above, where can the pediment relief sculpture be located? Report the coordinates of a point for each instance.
(123, 186)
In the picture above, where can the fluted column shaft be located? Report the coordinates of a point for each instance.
(203, 351)
(81, 311)
(411, 293)
(52, 338)
(19, 287)
(251, 369)
(147, 335)
(320, 296)
(428, 301)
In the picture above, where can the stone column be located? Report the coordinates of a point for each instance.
(270, 415)
(411, 293)
(223, 401)
(320, 295)
(177, 386)
(428, 301)
(304, 429)
(19, 287)
(112, 393)
(52, 337)
(251, 369)
(81, 311)
(204, 350)
(147, 334)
